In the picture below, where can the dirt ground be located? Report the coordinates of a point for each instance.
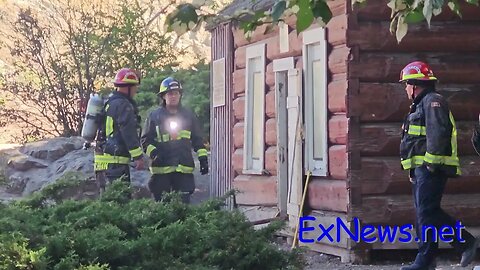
(202, 187)
(383, 261)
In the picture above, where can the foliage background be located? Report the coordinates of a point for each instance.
(48, 231)
(55, 53)
(196, 84)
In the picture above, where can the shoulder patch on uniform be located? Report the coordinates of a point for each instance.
(435, 104)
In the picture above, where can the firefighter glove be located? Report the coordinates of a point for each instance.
(154, 154)
(203, 165)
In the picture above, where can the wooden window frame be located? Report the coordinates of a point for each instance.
(251, 166)
(317, 167)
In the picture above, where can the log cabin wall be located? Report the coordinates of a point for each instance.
(337, 86)
(327, 197)
(256, 190)
(380, 190)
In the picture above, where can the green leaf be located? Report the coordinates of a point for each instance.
(393, 25)
(358, 2)
(402, 29)
(437, 11)
(414, 16)
(391, 5)
(304, 15)
(473, 2)
(428, 10)
(321, 10)
(278, 9)
(415, 4)
(455, 7)
(187, 13)
(438, 4)
(397, 5)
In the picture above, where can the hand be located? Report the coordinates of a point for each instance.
(139, 164)
(203, 165)
(154, 155)
(431, 168)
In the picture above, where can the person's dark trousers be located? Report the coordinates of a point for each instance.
(428, 189)
(116, 171)
(182, 182)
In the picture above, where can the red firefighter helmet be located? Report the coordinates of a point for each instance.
(126, 77)
(417, 71)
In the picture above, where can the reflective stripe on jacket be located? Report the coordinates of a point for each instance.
(476, 138)
(429, 135)
(169, 138)
(122, 140)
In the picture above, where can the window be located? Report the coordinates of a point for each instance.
(316, 115)
(253, 162)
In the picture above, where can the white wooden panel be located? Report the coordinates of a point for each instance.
(316, 111)
(294, 109)
(255, 68)
(218, 82)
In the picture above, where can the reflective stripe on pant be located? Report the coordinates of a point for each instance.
(171, 169)
(427, 193)
(182, 182)
(102, 161)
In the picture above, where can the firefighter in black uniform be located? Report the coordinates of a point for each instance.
(476, 137)
(118, 140)
(169, 134)
(428, 149)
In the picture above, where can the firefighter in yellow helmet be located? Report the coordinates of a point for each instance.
(118, 141)
(169, 134)
(428, 150)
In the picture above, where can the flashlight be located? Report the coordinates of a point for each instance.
(173, 125)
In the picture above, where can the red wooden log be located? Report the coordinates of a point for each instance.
(256, 190)
(239, 82)
(337, 95)
(331, 195)
(440, 37)
(338, 162)
(451, 67)
(399, 210)
(337, 129)
(379, 11)
(387, 102)
(384, 139)
(384, 175)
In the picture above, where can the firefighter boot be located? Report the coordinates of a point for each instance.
(415, 266)
(469, 254)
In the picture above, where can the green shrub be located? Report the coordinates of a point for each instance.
(16, 255)
(3, 179)
(115, 232)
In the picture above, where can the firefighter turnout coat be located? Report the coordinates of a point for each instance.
(429, 135)
(476, 138)
(122, 141)
(169, 138)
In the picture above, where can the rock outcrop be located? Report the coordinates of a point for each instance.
(31, 167)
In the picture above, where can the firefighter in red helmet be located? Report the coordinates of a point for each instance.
(118, 141)
(428, 150)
